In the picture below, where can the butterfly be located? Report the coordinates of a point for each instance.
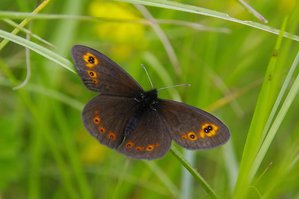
(135, 122)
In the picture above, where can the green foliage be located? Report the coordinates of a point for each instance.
(243, 71)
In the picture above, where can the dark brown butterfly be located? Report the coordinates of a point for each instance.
(136, 122)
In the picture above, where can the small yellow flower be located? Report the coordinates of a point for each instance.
(91, 151)
(123, 33)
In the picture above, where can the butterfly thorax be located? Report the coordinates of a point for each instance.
(145, 101)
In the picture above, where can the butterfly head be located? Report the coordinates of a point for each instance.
(148, 99)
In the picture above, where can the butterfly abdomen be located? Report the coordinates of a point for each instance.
(131, 125)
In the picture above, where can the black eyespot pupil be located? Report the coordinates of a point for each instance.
(192, 136)
(208, 129)
(91, 60)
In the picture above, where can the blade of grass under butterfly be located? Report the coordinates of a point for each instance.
(194, 173)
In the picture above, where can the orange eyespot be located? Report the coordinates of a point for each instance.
(92, 74)
(184, 136)
(129, 145)
(150, 147)
(139, 148)
(192, 136)
(102, 129)
(208, 130)
(111, 136)
(95, 81)
(96, 120)
(90, 60)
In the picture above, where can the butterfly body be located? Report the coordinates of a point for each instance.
(145, 101)
(136, 122)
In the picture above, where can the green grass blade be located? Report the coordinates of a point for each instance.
(38, 49)
(194, 173)
(262, 111)
(39, 8)
(210, 13)
(277, 121)
(12, 23)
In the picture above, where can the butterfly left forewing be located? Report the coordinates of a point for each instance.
(193, 128)
(101, 74)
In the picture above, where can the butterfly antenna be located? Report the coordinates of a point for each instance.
(173, 86)
(147, 75)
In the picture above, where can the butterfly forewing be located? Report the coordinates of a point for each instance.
(193, 128)
(99, 73)
(149, 140)
(105, 117)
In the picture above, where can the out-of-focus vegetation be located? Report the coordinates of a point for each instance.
(237, 71)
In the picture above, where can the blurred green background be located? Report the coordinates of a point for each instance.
(45, 152)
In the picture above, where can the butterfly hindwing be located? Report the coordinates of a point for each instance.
(149, 140)
(105, 117)
(101, 74)
(193, 128)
